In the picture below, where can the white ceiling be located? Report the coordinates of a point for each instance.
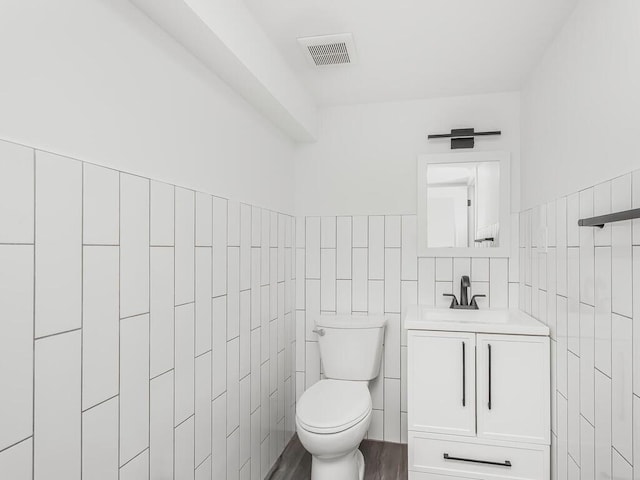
(415, 48)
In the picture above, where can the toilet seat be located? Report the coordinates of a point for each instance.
(333, 406)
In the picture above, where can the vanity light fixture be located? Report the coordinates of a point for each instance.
(463, 137)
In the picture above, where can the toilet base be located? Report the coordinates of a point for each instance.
(345, 467)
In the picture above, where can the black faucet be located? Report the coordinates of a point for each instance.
(464, 304)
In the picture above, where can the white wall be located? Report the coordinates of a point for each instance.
(365, 159)
(97, 80)
(580, 106)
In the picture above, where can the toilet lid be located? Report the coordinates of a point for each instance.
(332, 406)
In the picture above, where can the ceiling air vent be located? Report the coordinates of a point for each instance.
(326, 50)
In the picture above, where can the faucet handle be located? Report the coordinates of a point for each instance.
(473, 300)
(454, 299)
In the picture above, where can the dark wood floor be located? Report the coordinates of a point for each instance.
(383, 461)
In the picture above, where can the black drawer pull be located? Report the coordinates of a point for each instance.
(506, 463)
(464, 375)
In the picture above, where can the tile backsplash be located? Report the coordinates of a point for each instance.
(368, 264)
(146, 330)
(584, 283)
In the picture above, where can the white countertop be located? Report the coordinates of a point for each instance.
(420, 317)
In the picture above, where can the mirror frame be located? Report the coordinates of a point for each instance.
(505, 204)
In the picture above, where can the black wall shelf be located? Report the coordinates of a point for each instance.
(601, 220)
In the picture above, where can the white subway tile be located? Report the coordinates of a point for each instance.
(587, 352)
(233, 455)
(621, 468)
(57, 417)
(444, 269)
(204, 220)
(134, 386)
(361, 231)
(461, 266)
(100, 441)
(479, 269)
(219, 436)
(136, 469)
(587, 450)
(203, 292)
(636, 317)
(603, 309)
(312, 367)
(392, 410)
(16, 193)
(245, 333)
(162, 306)
(376, 429)
(409, 296)
(392, 231)
(184, 358)
(101, 204)
(586, 280)
(256, 226)
(16, 347)
(392, 346)
(635, 201)
(343, 297)
(392, 267)
(499, 282)
(573, 299)
(562, 456)
(312, 247)
(185, 246)
(245, 246)
(376, 247)
(204, 470)
(219, 307)
(219, 246)
(313, 306)
(409, 248)
(58, 294)
(328, 232)
(273, 229)
(621, 251)
(622, 385)
(441, 289)
(255, 287)
(573, 215)
(343, 248)
(255, 445)
(162, 230)
(245, 420)
(328, 279)
(300, 278)
(359, 283)
(573, 406)
(376, 297)
(100, 332)
(233, 385)
(233, 292)
(233, 223)
(426, 281)
(202, 407)
(255, 368)
(602, 206)
(16, 463)
(184, 446)
(161, 426)
(603, 425)
(562, 343)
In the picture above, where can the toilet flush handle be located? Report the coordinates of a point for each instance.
(319, 331)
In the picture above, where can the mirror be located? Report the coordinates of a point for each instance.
(463, 204)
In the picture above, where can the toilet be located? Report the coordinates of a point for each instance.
(333, 415)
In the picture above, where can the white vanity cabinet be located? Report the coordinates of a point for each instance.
(478, 395)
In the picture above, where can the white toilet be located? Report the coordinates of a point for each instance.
(333, 416)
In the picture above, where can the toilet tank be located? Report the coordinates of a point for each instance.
(350, 345)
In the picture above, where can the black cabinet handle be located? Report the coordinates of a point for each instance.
(506, 463)
(464, 375)
(489, 346)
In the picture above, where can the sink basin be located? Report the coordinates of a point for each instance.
(420, 317)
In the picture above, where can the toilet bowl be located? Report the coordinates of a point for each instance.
(334, 415)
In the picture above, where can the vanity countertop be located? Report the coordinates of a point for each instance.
(501, 321)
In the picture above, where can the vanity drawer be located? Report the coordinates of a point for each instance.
(474, 459)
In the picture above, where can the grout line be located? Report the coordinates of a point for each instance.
(16, 443)
(100, 403)
(58, 333)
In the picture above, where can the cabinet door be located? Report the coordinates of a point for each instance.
(513, 388)
(441, 382)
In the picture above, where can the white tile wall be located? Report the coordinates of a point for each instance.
(592, 302)
(121, 307)
(369, 264)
